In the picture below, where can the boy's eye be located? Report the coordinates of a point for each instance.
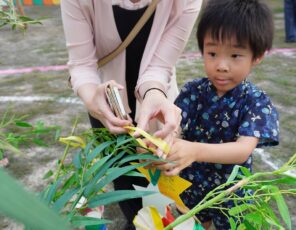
(212, 54)
(235, 55)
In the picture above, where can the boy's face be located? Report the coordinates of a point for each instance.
(227, 63)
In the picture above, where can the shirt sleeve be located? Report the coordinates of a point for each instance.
(170, 46)
(261, 120)
(79, 41)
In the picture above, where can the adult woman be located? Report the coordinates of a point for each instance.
(144, 71)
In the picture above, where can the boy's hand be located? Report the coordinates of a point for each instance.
(182, 154)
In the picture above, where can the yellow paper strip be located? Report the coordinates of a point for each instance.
(161, 144)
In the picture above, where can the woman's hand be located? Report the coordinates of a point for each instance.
(183, 153)
(94, 98)
(156, 105)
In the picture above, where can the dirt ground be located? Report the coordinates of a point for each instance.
(45, 96)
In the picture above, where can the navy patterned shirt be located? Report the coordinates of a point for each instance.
(208, 118)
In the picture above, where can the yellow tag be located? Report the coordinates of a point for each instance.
(161, 144)
(170, 186)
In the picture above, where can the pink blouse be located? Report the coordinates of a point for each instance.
(91, 34)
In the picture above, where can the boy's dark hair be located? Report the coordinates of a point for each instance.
(250, 21)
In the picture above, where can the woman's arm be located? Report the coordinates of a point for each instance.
(170, 46)
(158, 73)
(83, 66)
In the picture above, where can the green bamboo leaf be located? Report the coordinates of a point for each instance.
(98, 150)
(88, 147)
(269, 213)
(246, 172)
(289, 180)
(23, 124)
(252, 187)
(116, 196)
(131, 173)
(48, 174)
(272, 222)
(15, 202)
(249, 226)
(254, 217)
(233, 173)
(112, 176)
(71, 181)
(27, 19)
(49, 195)
(77, 160)
(147, 156)
(134, 173)
(96, 167)
(81, 221)
(232, 223)
(282, 206)
(62, 201)
(239, 209)
(40, 131)
(90, 187)
(131, 151)
(242, 226)
(122, 140)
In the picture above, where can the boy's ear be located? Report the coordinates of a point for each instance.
(258, 60)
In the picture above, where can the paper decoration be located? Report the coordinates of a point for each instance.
(168, 218)
(170, 186)
(157, 200)
(148, 218)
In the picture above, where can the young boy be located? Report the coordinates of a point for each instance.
(224, 116)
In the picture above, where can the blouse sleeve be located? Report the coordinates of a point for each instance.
(261, 120)
(171, 46)
(79, 41)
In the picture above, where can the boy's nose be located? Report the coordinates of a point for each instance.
(222, 66)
